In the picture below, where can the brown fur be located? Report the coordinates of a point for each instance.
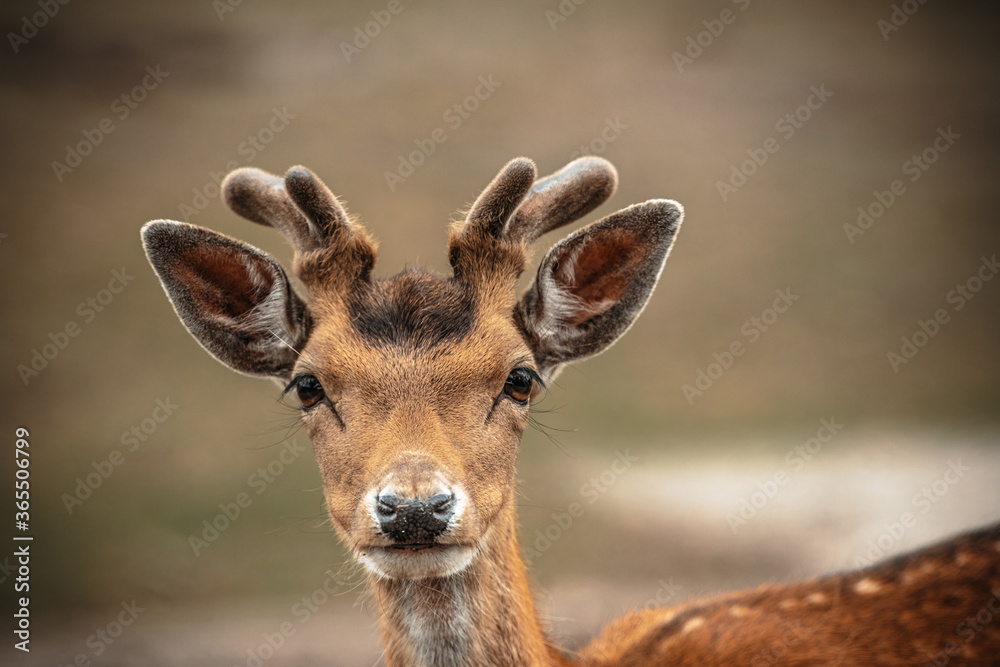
(911, 610)
(406, 392)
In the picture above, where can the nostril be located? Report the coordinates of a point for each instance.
(414, 521)
(387, 505)
(442, 504)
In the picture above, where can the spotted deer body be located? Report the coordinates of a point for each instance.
(415, 391)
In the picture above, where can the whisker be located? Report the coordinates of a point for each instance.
(284, 342)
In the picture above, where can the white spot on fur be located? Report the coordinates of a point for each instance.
(694, 624)
(788, 604)
(369, 503)
(815, 598)
(867, 586)
(739, 611)
(666, 615)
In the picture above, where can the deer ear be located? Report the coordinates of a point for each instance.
(233, 298)
(592, 285)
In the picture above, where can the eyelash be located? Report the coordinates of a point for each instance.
(298, 384)
(309, 384)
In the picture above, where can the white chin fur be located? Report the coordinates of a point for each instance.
(419, 565)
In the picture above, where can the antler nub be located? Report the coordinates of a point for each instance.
(261, 197)
(515, 209)
(563, 197)
(308, 214)
(317, 202)
(501, 197)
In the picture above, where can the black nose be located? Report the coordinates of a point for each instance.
(410, 521)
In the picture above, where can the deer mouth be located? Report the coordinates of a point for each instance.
(416, 560)
(417, 547)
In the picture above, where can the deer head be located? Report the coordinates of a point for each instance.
(415, 390)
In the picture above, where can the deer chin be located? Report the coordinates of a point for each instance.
(416, 561)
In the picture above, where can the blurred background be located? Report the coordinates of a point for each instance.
(837, 166)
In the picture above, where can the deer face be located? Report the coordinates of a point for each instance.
(415, 390)
(415, 398)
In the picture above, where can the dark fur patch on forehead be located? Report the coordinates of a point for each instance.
(412, 309)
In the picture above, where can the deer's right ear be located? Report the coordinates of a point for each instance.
(592, 285)
(233, 298)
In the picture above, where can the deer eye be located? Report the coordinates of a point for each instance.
(519, 384)
(309, 391)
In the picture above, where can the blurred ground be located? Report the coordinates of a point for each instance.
(659, 533)
(607, 78)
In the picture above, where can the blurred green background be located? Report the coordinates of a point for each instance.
(675, 94)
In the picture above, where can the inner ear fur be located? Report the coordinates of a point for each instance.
(233, 298)
(592, 286)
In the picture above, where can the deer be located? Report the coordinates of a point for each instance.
(415, 391)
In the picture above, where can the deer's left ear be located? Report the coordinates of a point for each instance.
(592, 285)
(233, 298)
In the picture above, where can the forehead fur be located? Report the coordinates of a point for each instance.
(416, 335)
(386, 331)
(414, 309)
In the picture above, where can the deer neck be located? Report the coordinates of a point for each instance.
(484, 615)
